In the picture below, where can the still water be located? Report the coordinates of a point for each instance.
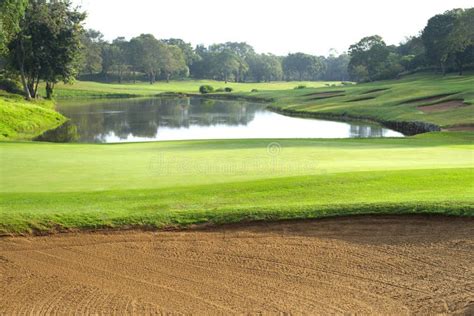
(182, 118)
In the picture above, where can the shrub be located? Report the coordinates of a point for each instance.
(301, 86)
(10, 86)
(220, 90)
(254, 90)
(206, 89)
(228, 89)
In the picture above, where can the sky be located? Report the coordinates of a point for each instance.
(270, 26)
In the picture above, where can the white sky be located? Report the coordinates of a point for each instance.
(276, 26)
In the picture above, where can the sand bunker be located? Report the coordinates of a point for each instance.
(429, 99)
(395, 265)
(361, 99)
(444, 106)
(375, 90)
(325, 95)
(461, 128)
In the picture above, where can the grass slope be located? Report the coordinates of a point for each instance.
(21, 119)
(396, 100)
(75, 186)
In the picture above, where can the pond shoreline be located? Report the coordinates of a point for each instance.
(241, 113)
(407, 128)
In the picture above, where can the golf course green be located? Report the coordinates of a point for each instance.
(49, 187)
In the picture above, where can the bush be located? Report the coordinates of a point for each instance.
(10, 86)
(301, 86)
(220, 90)
(206, 89)
(228, 89)
(254, 90)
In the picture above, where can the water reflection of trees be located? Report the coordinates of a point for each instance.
(357, 130)
(144, 117)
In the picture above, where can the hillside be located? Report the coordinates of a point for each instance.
(21, 119)
(447, 101)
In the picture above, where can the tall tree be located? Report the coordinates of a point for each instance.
(226, 63)
(336, 67)
(301, 66)
(369, 53)
(48, 45)
(265, 67)
(172, 61)
(11, 14)
(436, 38)
(187, 50)
(149, 57)
(92, 42)
(461, 40)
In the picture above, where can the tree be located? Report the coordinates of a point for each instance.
(412, 52)
(172, 61)
(436, 38)
(92, 42)
(336, 67)
(119, 61)
(48, 45)
(265, 67)
(149, 57)
(243, 52)
(301, 66)
(187, 50)
(370, 52)
(11, 14)
(226, 63)
(461, 40)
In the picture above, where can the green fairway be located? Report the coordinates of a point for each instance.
(86, 89)
(53, 186)
(48, 187)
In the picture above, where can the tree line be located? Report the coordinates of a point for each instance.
(44, 40)
(445, 44)
(146, 56)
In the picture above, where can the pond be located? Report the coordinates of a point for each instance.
(186, 118)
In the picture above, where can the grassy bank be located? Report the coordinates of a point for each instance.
(47, 187)
(21, 119)
(447, 101)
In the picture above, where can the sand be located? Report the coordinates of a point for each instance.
(396, 265)
(442, 107)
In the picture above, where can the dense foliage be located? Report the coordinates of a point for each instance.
(446, 43)
(43, 43)
(43, 40)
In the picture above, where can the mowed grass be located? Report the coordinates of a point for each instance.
(86, 89)
(21, 119)
(48, 187)
(395, 100)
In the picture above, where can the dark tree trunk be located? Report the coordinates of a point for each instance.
(443, 68)
(36, 86)
(49, 90)
(31, 88)
(25, 85)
